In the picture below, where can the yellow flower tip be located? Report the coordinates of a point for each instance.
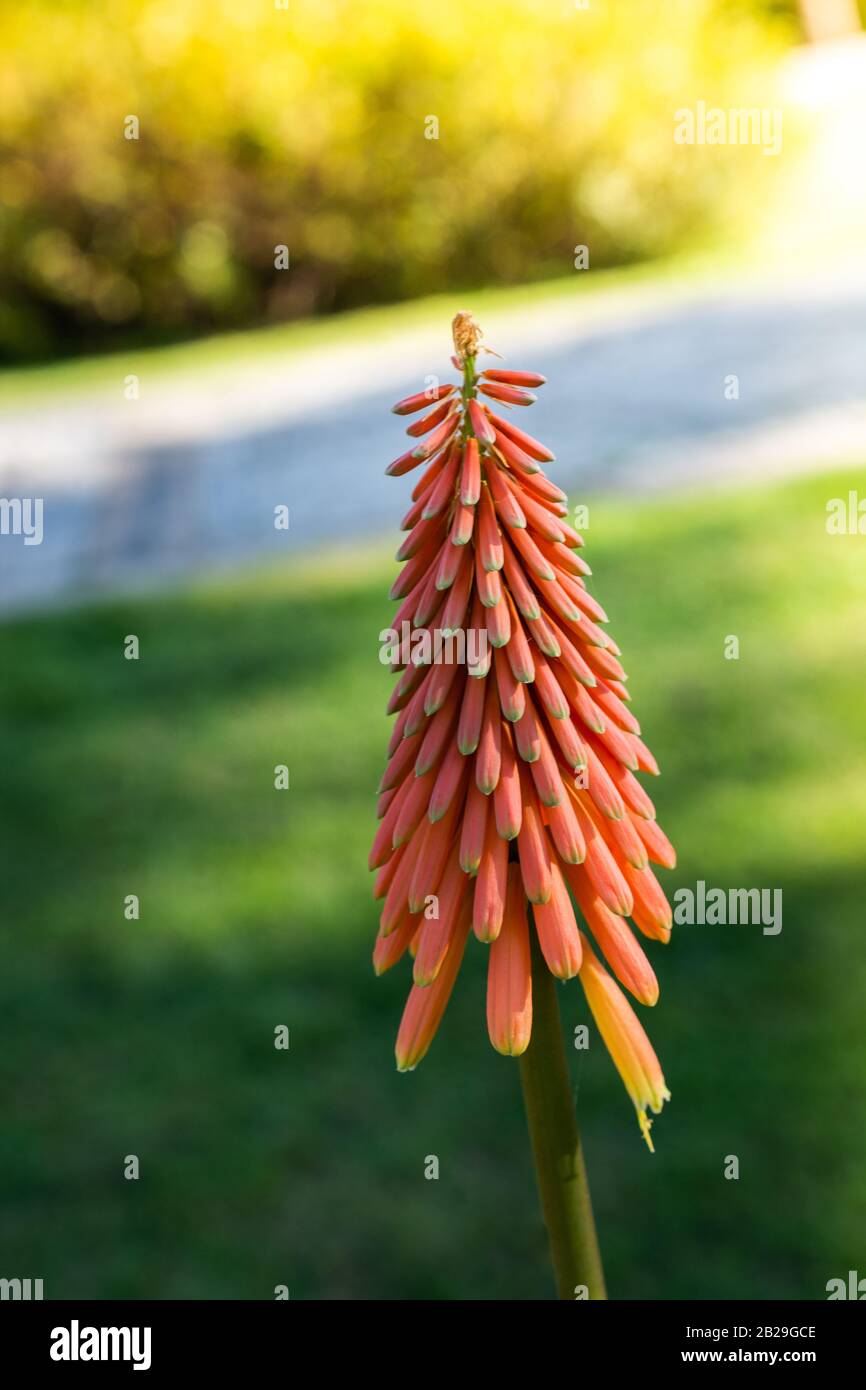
(643, 1119)
(408, 1052)
(645, 1127)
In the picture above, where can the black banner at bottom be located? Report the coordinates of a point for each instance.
(159, 1338)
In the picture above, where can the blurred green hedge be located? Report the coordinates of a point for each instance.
(309, 127)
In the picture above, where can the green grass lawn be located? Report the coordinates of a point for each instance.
(260, 1167)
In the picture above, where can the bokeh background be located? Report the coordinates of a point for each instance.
(165, 386)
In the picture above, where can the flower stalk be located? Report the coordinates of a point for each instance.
(559, 1164)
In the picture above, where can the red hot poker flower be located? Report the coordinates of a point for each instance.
(510, 804)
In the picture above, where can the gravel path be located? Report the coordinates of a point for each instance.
(186, 478)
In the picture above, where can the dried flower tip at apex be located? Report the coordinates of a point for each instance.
(467, 334)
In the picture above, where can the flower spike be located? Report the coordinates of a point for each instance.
(510, 806)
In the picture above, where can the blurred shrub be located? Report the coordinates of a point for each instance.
(261, 126)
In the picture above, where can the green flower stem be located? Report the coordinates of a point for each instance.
(559, 1166)
(467, 390)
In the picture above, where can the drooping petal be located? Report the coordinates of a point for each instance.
(512, 694)
(659, 847)
(532, 844)
(489, 538)
(601, 868)
(506, 797)
(498, 623)
(508, 509)
(513, 378)
(431, 844)
(426, 1005)
(512, 454)
(441, 436)
(625, 1039)
(557, 929)
(428, 422)
(474, 829)
(391, 948)
(524, 441)
(618, 945)
(441, 919)
(470, 476)
(651, 911)
(488, 757)
(509, 976)
(481, 426)
(450, 784)
(471, 715)
(454, 612)
(513, 395)
(417, 402)
(490, 885)
(519, 651)
(527, 734)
